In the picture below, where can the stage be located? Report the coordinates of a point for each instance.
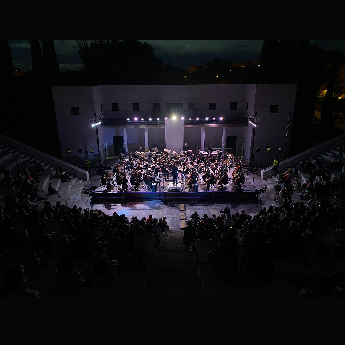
(167, 192)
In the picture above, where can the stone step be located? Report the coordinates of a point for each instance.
(174, 272)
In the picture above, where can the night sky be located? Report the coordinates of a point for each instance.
(182, 53)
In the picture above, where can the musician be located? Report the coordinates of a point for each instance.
(140, 148)
(174, 172)
(210, 181)
(185, 147)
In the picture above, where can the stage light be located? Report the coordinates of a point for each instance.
(174, 117)
(142, 119)
(157, 118)
(95, 124)
(166, 118)
(182, 117)
(190, 119)
(150, 119)
(128, 119)
(221, 119)
(213, 118)
(135, 119)
(280, 149)
(197, 119)
(206, 118)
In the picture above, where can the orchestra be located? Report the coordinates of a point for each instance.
(139, 170)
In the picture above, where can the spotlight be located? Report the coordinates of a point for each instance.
(174, 117)
(157, 118)
(135, 119)
(142, 119)
(190, 119)
(182, 117)
(206, 118)
(150, 119)
(127, 118)
(166, 118)
(197, 119)
(213, 118)
(221, 119)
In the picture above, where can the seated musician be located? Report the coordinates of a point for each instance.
(210, 181)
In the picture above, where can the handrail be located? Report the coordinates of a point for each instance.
(39, 155)
(306, 154)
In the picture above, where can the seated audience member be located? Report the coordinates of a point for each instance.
(203, 246)
(150, 242)
(225, 259)
(51, 190)
(189, 234)
(14, 283)
(259, 260)
(103, 278)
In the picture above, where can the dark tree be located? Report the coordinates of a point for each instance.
(50, 63)
(36, 59)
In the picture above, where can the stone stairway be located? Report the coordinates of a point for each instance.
(327, 158)
(15, 162)
(174, 274)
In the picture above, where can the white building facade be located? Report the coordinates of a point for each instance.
(170, 115)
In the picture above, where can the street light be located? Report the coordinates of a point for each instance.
(253, 120)
(95, 121)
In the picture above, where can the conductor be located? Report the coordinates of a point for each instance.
(185, 147)
(174, 172)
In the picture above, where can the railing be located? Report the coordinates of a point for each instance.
(161, 122)
(294, 160)
(39, 155)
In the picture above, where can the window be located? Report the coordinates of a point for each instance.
(273, 108)
(191, 106)
(233, 105)
(136, 107)
(80, 150)
(114, 106)
(156, 107)
(212, 106)
(75, 111)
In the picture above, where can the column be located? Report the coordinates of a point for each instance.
(202, 143)
(146, 138)
(224, 141)
(124, 134)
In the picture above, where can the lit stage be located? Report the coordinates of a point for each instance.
(167, 192)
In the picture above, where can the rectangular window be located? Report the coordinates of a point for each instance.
(191, 106)
(156, 107)
(273, 108)
(75, 111)
(114, 106)
(136, 107)
(212, 106)
(233, 105)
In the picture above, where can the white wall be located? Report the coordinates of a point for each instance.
(76, 132)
